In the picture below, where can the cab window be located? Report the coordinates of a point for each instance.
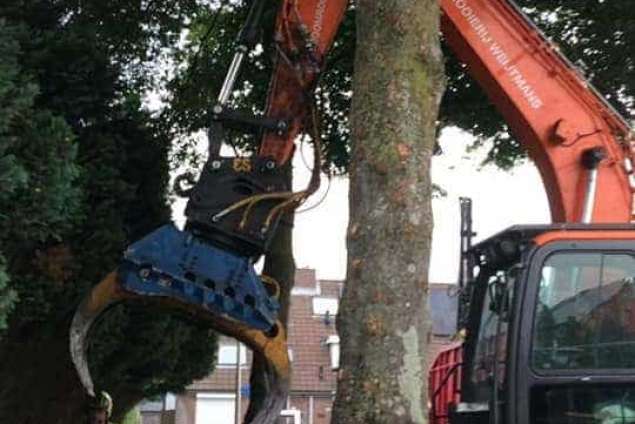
(585, 312)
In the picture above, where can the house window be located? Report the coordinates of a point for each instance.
(215, 408)
(322, 305)
(227, 354)
(169, 401)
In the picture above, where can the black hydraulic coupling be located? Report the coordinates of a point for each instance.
(591, 158)
(233, 204)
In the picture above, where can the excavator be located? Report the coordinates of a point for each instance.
(545, 312)
(546, 321)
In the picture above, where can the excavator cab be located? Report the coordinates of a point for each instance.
(549, 321)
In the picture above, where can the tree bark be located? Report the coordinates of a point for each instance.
(383, 321)
(280, 265)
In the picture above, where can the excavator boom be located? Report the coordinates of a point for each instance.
(549, 106)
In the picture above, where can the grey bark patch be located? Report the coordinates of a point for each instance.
(411, 378)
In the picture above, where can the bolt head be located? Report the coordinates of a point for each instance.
(563, 132)
(216, 164)
(282, 126)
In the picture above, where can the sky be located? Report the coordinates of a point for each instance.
(500, 199)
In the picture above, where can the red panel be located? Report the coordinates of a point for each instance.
(444, 383)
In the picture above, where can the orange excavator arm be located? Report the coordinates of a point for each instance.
(565, 125)
(303, 25)
(558, 117)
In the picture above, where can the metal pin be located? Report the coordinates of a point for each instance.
(230, 79)
(589, 199)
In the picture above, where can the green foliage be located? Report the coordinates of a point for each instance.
(40, 200)
(7, 296)
(597, 35)
(16, 97)
(132, 417)
(12, 175)
(84, 172)
(49, 205)
(36, 167)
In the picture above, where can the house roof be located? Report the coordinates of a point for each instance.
(443, 307)
(308, 331)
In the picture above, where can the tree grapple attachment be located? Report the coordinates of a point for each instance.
(234, 207)
(207, 269)
(263, 335)
(102, 296)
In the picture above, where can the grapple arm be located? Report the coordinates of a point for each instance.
(108, 292)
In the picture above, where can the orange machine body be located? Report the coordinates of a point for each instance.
(550, 108)
(527, 249)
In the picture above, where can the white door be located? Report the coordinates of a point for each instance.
(215, 408)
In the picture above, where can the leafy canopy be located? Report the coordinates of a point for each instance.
(597, 35)
(84, 172)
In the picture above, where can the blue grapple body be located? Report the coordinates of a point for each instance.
(177, 264)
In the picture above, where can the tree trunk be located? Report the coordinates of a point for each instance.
(383, 321)
(279, 264)
(46, 389)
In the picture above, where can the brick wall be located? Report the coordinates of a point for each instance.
(321, 405)
(185, 408)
